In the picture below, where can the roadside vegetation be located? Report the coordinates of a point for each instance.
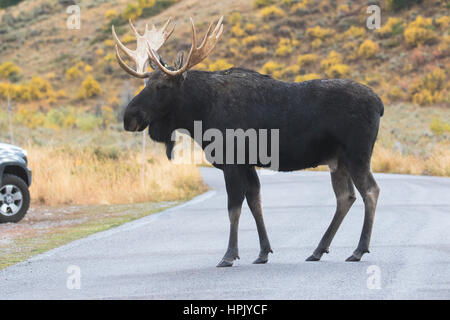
(67, 175)
(7, 3)
(87, 181)
(435, 163)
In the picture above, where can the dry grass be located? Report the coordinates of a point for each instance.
(108, 176)
(437, 163)
(386, 160)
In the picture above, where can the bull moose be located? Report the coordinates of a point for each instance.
(330, 122)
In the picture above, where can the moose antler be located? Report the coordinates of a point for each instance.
(153, 38)
(196, 55)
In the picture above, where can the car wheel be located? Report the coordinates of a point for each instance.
(14, 199)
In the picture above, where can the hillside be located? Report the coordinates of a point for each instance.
(291, 40)
(61, 78)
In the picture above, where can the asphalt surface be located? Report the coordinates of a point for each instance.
(172, 254)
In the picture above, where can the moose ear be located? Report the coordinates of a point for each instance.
(179, 60)
(154, 66)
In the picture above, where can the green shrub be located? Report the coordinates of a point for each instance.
(307, 77)
(332, 59)
(220, 64)
(439, 127)
(9, 70)
(55, 118)
(420, 31)
(262, 3)
(29, 118)
(368, 49)
(396, 5)
(7, 3)
(272, 12)
(132, 11)
(285, 47)
(393, 26)
(89, 88)
(306, 59)
(319, 33)
(270, 67)
(87, 122)
(159, 6)
(338, 71)
(235, 18)
(430, 88)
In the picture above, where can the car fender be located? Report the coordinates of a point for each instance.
(15, 165)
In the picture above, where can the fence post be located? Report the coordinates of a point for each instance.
(11, 135)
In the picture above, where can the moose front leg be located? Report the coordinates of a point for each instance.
(236, 185)
(253, 196)
(232, 251)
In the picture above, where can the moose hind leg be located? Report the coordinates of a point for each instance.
(345, 197)
(253, 196)
(236, 184)
(369, 190)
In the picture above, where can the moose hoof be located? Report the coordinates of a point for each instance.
(263, 257)
(261, 260)
(317, 254)
(224, 263)
(312, 258)
(357, 255)
(353, 258)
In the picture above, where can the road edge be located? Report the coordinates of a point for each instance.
(106, 233)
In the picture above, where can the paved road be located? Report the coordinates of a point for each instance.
(172, 255)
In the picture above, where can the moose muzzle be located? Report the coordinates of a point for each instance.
(133, 123)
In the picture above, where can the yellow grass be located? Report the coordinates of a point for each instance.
(107, 176)
(437, 163)
(385, 160)
(99, 176)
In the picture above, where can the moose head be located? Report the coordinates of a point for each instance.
(162, 90)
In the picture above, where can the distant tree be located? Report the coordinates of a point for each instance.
(401, 4)
(89, 88)
(7, 3)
